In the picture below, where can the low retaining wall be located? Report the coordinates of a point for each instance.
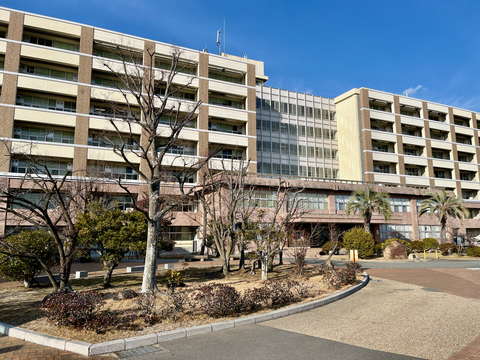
(87, 349)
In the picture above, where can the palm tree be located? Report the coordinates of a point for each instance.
(366, 202)
(443, 205)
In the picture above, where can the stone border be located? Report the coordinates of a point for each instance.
(87, 349)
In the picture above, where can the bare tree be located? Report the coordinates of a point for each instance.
(152, 95)
(271, 226)
(334, 234)
(42, 199)
(223, 197)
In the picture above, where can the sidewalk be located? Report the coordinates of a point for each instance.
(15, 349)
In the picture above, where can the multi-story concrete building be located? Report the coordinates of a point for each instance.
(296, 134)
(54, 87)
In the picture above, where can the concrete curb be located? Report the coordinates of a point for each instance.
(87, 349)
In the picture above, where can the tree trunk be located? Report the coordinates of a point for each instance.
(366, 226)
(149, 281)
(280, 257)
(65, 275)
(108, 267)
(443, 231)
(241, 263)
(265, 269)
(226, 265)
(270, 263)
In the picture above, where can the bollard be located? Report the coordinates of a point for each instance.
(436, 254)
(424, 254)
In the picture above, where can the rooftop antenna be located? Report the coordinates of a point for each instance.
(224, 36)
(219, 41)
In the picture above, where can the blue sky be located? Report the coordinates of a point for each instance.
(319, 47)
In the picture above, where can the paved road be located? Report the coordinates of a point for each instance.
(410, 313)
(401, 264)
(265, 343)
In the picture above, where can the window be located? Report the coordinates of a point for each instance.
(275, 147)
(318, 113)
(114, 55)
(229, 154)
(411, 171)
(226, 128)
(266, 146)
(293, 129)
(292, 109)
(60, 168)
(301, 130)
(39, 199)
(113, 83)
(293, 149)
(440, 155)
(310, 112)
(285, 169)
(189, 69)
(466, 176)
(429, 231)
(262, 199)
(341, 201)
(170, 121)
(310, 131)
(173, 176)
(395, 231)
(183, 149)
(400, 205)
(301, 110)
(50, 43)
(181, 233)
(410, 151)
(226, 102)
(284, 148)
(275, 105)
(40, 71)
(284, 128)
(442, 174)
(112, 171)
(379, 168)
(434, 117)
(37, 134)
(380, 147)
(311, 201)
(222, 77)
(123, 202)
(302, 150)
(45, 103)
(284, 108)
(275, 126)
(333, 116)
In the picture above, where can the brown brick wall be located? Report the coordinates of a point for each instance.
(364, 102)
(203, 65)
(251, 75)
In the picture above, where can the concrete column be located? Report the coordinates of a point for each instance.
(83, 102)
(9, 86)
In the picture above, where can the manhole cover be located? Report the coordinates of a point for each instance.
(139, 351)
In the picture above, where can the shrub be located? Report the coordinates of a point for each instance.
(354, 266)
(80, 309)
(175, 305)
(389, 241)
(218, 299)
(358, 239)
(334, 279)
(327, 247)
(146, 307)
(473, 251)
(280, 292)
(25, 269)
(255, 298)
(378, 249)
(416, 245)
(174, 279)
(430, 243)
(448, 248)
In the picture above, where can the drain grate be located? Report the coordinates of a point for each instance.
(139, 351)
